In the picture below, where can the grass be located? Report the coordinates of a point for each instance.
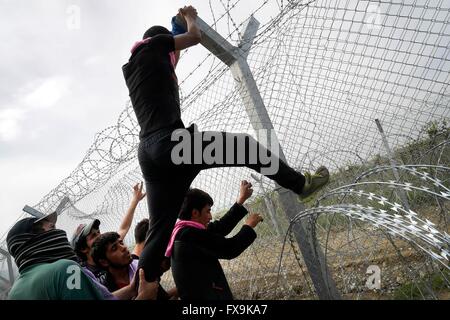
(436, 282)
(414, 152)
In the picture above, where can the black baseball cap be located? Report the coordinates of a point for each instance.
(51, 217)
(22, 226)
(25, 225)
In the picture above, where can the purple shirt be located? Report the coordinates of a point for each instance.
(104, 291)
(132, 269)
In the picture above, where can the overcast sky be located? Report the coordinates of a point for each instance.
(61, 82)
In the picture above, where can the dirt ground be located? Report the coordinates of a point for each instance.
(403, 268)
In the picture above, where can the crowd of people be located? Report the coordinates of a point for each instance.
(99, 266)
(178, 234)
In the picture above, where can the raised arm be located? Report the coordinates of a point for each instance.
(227, 223)
(218, 246)
(125, 225)
(193, 35)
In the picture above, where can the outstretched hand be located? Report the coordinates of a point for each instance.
(138, 195)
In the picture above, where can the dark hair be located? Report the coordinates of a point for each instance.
(194, 199)
(79, 246)
(140, 231)
(155, 30)
(100, 246)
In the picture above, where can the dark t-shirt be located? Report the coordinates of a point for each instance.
(152, 85)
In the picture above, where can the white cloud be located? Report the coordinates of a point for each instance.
(9, 123)
(41, 94)
(25, 181)
(47, 93)
(94, 60)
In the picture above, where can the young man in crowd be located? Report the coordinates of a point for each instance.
(49, 270)
(140, 233)
(110, 253)
(86, 234)
(44, 257)
(197, 245)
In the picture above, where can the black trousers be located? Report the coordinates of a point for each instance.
(167, 183)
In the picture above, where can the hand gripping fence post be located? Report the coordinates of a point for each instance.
(236, 59)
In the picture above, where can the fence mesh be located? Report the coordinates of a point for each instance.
(325, 71)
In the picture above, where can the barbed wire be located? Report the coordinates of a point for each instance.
(325, 71)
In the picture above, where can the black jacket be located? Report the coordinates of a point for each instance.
(195, 258)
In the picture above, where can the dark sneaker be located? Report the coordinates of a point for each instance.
(314, 182)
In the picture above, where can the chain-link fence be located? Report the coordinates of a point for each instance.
(325, 71)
